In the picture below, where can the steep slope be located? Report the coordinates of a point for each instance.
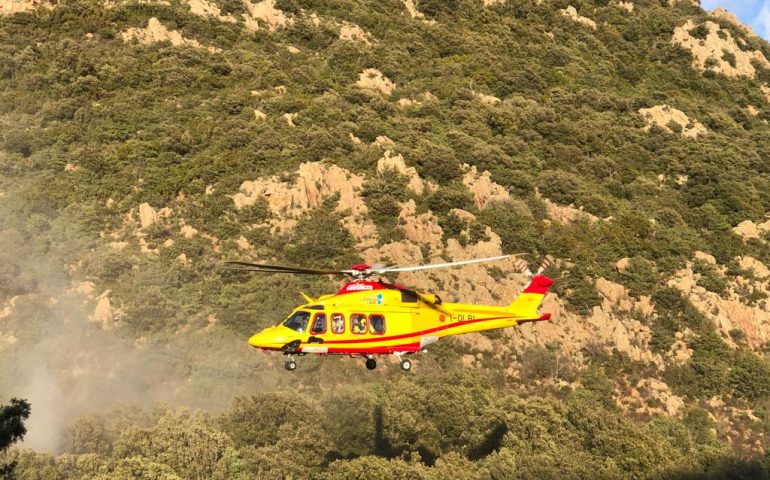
(145, 142)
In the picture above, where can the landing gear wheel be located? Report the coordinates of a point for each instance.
(371, 363)
(406, 365)
(290, 365)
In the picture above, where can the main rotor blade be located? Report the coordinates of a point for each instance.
(446, 265)
(264, 268)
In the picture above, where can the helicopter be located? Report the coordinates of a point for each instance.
(374, 317)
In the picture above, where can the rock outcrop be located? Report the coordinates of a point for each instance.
(9, 7)
(723, 14)
(390, 160)
(314, 183)
(719, 51)
(204, 8)
(266, 13)
(663, 115)
(411, 8)
(103, 313)
(354, 33)
(571, 13)
(482, 187)
(373, 79)
(748, 229)
(731, 311)
(156, 32)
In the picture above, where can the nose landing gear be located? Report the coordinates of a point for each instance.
(406, 364)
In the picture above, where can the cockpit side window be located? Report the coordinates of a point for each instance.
(319, 324)
(358, 323)
(298, 321)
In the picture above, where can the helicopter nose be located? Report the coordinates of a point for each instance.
(267, 339)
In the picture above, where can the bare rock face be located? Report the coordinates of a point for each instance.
(396, 162)
(9, 7)
(663, 115)
(383, 141)
(608, 326)
(723, 14)
(373, 79)
(748, 229)
(657, 390)
(266, 13)
(243, 243)
(623, 264)
(731, 311)
(422, 229)
(705, 257)
(103, 313)
(567, 213)
(411, 8)
(204, 8)
(147, 215)
(289, 117)
(757, 268)
(156, 32)
(712, 50)
(486, 99)
(482, 187)
(188, 231)
(353, 33)
(314, 183)
(680, 353)
(572, 14)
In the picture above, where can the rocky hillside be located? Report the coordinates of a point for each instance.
(145, 142)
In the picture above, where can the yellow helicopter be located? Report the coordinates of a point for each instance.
(374, 317)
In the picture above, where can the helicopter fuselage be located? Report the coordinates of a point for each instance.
(371, 317)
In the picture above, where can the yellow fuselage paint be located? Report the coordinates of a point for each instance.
(409, 326)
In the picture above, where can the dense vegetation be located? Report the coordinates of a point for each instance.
(454, 424)
(92, 127)
(12, 430)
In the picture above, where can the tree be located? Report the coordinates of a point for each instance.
(12, 429)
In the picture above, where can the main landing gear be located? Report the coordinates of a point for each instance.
(290, 364)
(371, 363)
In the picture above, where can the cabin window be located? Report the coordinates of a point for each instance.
(338, 323)
(298, 321)
(319, 324)
(358, 323)
(377, 324)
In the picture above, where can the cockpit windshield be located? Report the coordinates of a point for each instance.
(298, 321)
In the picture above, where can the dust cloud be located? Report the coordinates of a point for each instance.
(71, 367)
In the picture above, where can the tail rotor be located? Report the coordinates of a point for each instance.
(522, 266)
